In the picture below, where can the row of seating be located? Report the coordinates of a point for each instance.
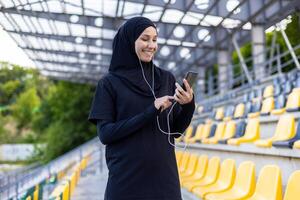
(66, 187)
(210, 179)
(264, 100)
(238, 132)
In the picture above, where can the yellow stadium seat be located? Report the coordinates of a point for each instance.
(224, 181)
(178, 155)
(268, 185)
(219, 113)
(292, 188)
(268, 91)
(285, 130)
(296, 145)
(239, 111)
(197, 135)
(183, 162)
(206, 131)
(243, 186)
(251, 134)
(218, 134)
(267, 106)
(188, 133)
(229, 130)
(209, 177)
(293, 101)
(199, 172)
(191, 166)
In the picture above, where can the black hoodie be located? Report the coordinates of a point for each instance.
(140, 160)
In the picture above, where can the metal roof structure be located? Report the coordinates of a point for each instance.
(72, 39)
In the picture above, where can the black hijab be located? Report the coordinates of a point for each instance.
(125, 62)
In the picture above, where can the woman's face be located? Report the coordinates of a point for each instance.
(146, 44)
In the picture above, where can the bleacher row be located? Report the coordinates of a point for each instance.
(65, 181)
(238, 124)
(212, 180)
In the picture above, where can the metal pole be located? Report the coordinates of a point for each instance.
(278, 58)
(242, 61)
(288, 44)
(272, 51)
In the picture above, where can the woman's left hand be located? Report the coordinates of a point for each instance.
(182, 96)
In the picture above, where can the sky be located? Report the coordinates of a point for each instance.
(10, 52)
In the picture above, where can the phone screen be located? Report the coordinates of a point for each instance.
(191, 78)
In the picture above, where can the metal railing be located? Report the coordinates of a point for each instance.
(14, 185)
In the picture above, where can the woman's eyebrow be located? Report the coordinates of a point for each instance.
(149, 35)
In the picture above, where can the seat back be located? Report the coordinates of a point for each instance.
(240, 129)
(252, 129)
(201, 166)
(268, 91)
(269, 183)
(188, 132)
(280, 101)
(220, 130)
(293, 101)
(206, 130)
(285, 128)
(268, 105)
(178, 155)
(213, 168)
(239, 111)
(227, 172)
(191, 165)
(184, 161)
(219, 113)
(287, 87)
(229, 130)
(245, 178)
(212, 130)
(292, 188)
(199, 131)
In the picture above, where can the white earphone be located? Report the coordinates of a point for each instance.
(168, 116)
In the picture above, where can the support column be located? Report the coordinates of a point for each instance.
(224, 71)
(258, 51)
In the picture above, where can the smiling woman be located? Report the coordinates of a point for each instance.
(130, 108)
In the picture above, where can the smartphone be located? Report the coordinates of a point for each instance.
(191, 78)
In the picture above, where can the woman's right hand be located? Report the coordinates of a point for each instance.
(163, 103)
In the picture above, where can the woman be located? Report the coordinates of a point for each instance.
(127, 101)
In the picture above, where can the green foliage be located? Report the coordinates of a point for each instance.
(27, 104)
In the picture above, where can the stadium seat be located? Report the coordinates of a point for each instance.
(293, 101)
(243, 186)
(178, 155)
(255, 109)
(183, 162)
(223, 182)
(297, 145)
(289, 143)
(285, 130)
(239, 132)
(228, 113)
(292, 188)
(191, 166)
(252, 133)
(279, 105)
(188, 133)
(268, 91)
(239, 111)
(268, 185)
(229, 131)
(287, 88)
(267, 106)
(219, 114)
(197, 135)
(199, 171)
(210, 176)
(217, 136)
